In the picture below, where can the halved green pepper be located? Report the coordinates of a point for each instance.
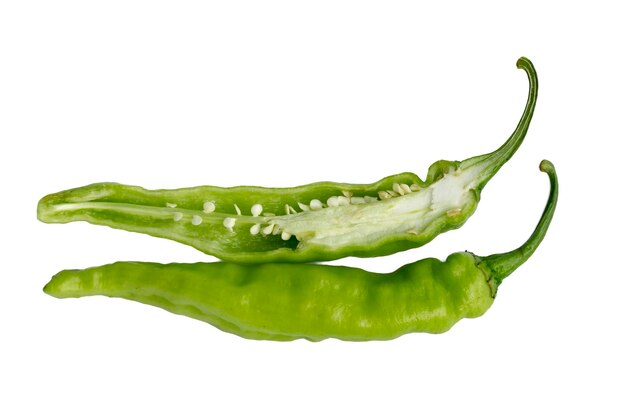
(315, 222)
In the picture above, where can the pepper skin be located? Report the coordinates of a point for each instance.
(316, 222)
(314, 302)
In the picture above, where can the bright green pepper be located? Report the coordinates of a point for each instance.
(290, 301)
(316, 222)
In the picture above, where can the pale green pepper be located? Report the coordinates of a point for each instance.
(316, 222)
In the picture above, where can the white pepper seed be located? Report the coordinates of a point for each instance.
(256, 210)
(208, 207)
(229, 223)
(396, 188)
(405, 188)
(316, 204)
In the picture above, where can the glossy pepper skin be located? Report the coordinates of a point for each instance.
(291, 301)
(316, 222)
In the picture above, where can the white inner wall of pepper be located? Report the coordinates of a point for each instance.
(281, 93)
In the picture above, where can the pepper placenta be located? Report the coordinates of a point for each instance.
(315, 222)
(282, 301)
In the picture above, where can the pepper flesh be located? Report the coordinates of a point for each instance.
(316, 222)
(288, 301)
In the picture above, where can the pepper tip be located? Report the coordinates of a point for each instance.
(523, 62)
(546, 166)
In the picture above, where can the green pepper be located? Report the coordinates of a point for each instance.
(316, 222)
(281, 301)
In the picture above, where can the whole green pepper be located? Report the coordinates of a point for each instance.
(314, 302)
(315, 222)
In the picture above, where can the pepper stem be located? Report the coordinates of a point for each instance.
(503, 264)
(490, 163)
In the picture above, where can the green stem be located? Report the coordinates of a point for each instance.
(503, 264)
(492, 162)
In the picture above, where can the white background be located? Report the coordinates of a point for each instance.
(280, 93)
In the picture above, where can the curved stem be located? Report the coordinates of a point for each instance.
(503, 264)
(491, 163)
